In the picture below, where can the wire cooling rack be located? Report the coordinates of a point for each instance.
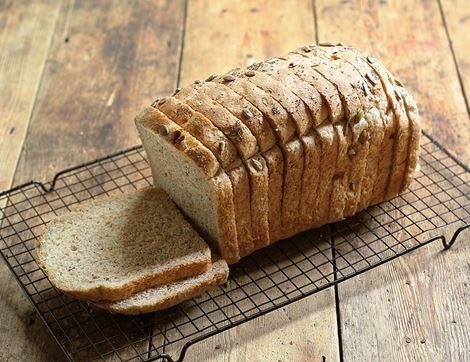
(438, 200)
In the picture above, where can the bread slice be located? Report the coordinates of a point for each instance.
(259, 181)
(329, 142)
(242, 201)
(312, 156)
(280, 69)
(201, 129)
(413, 152)
(235, 130)
(243, 110)
(288, 100)
(275, 164)
(277, 117)
(293, 170)
(166, 296)
(206, 201)
(118, 246)
(304, 70)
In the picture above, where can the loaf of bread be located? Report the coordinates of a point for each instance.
(262, 153)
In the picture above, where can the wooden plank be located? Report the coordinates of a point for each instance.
(457, 19)
(417, 51)
(25, 37)
(219, 36)
(414, 308)
(107, 60)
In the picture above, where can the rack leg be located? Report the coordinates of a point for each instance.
(446, 244)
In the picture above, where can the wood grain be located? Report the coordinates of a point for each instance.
(107, 60)
(219, 36)
(457, 19)
(23, 49)
(405, 309)
(24, 45)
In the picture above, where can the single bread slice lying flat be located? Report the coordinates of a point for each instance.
(166, 296)
(113, 248)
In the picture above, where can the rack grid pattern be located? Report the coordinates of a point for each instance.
(437, 201)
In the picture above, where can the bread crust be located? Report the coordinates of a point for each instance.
(259, 180)
(153, 119)
(155, 299)
(235, 130)
(282, 126)
(275, 164)
(243, 110)
(202, 129)
(242, 203)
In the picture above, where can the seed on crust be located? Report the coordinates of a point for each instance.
(163, 130)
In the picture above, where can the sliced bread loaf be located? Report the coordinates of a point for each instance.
(113, 248)
(165, 296)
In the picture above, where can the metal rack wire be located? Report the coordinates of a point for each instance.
(438, 200)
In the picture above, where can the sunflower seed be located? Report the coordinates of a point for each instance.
(306, 49)
(250, 73)
(229, 78)
(257, 165)
(163, 130)
(247, 113)
(364, 137)
(211, 78)
(221, 147)
(155, 102)
(326, 44)
(372, 77)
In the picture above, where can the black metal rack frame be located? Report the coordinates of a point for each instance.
(437, 201)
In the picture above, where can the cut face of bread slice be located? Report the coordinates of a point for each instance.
(207, 201)
(115, 247)
(166, 296)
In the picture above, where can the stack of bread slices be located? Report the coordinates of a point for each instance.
(250, 157)
(133, 253)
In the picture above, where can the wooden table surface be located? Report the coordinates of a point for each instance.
(73, 74)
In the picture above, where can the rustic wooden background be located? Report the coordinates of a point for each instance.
(73, 74)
